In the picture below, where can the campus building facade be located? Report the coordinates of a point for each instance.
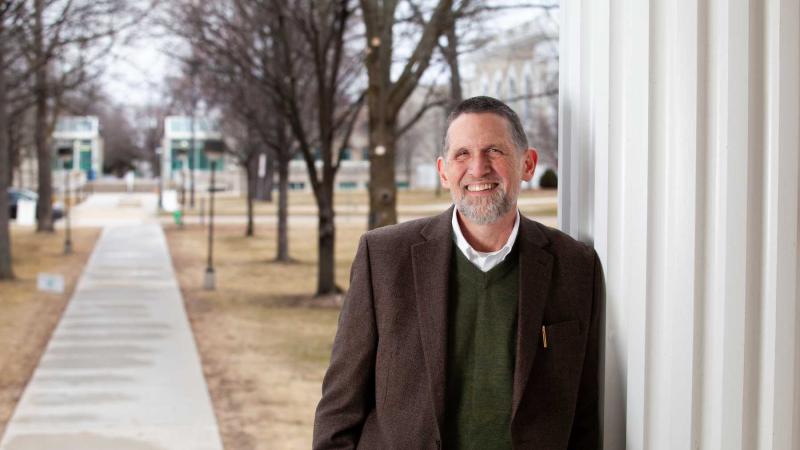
(82, 134)
(182, 152)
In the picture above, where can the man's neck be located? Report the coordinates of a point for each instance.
(490, 237)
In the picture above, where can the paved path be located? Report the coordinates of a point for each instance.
(121, 371)
(106, 209)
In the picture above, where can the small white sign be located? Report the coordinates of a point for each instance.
(169, 200)
(26, 212)
(50, 282)
(262, 165)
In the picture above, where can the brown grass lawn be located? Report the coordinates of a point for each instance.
(347, 203)
(264, 342)
(28, 317)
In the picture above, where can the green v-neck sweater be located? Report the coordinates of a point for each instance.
(482, 318)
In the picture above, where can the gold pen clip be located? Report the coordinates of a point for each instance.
(544, 336)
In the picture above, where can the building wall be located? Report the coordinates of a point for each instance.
(82, 133)
(175, 168)
(679, 160)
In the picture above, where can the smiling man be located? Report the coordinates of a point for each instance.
(474, 329)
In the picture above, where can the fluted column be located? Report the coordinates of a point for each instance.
(679, 162)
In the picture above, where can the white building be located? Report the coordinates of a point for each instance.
(178, 157)
(82, 134)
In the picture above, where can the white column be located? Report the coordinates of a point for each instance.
(679, 162)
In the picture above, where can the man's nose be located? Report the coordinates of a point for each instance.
(479, 165)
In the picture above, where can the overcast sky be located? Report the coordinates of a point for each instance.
(137, 71)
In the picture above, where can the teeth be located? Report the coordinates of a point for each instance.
(479, 187)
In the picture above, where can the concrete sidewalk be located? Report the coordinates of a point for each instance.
(121, 370)
(106, 209)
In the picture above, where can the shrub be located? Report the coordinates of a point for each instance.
(549, 180)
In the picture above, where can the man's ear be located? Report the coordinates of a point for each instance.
(440, 167)
(529, 160)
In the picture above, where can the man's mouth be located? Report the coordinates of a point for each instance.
(481, 187)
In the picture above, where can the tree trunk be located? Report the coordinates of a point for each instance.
(10, 164)
(6, 270)
(386, 98)
(382, 187)
(326, 281)
(283, 209)
(252, 180)
(265, 182)
(12, 147)
(44, 210)
(268, 180)
(451, 56)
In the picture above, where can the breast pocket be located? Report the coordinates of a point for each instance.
(558, 333)
(565, 346)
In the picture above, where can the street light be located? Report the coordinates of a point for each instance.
(183, 149)
(214, 149)
(160, 169)
(65, 156)
(194, 65)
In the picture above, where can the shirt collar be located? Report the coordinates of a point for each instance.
(483, 260)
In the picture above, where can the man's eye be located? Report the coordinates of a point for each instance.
(461, 155)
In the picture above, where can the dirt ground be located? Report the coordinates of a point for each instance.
(27, 316)
(264, 342)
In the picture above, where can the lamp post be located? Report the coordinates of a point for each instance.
(65, 156)
(183, 149)
(160, 168)
(194, 65)
(214, 149)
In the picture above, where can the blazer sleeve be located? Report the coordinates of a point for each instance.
(348, 389)
(585, 434)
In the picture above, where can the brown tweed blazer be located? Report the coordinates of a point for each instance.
(385, 387)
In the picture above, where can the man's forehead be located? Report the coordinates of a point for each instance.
(471, 129)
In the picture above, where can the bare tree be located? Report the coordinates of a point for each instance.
(6, 271)
(149, 127)
(297, 58)
(386, 97)
(313, 37)
(65, 39)
(121, 144)
(237, 76)
(257, 130)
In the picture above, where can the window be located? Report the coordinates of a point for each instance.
(86, 161)
(75, 124)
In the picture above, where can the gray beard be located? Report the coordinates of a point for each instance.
(484, 212)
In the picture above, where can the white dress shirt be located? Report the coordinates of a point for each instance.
(483, 260)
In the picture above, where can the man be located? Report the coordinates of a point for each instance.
(474, 329)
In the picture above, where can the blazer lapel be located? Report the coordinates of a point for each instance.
(431, 265)
(535, 268)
